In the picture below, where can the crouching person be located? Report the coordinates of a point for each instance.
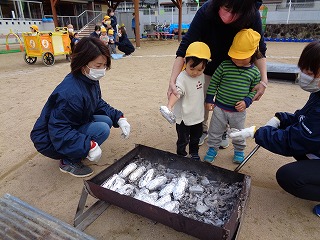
(75, 120)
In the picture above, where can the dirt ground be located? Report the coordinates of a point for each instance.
(137, 85)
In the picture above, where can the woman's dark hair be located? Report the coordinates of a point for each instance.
(196, 61)
(85, 51)
(97, 28)
(123, 31)
(245, 8)
(310, 58)
(109, 11)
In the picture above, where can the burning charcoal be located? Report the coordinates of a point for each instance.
(205, 181)
(163, 200)
(110, 181)
(136, 174)
(168, 189)
(211, 201)
(201, 207)
(196, 189)
(127, 170)
(156, 183)
(146, 178)
(127, 190)
(180, 188)
(172, 206)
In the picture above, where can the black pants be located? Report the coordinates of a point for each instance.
(126, 49)
(188, 135)
(301, 179)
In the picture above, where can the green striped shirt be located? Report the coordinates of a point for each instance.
(231, 84)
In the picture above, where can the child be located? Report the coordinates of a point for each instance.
(297, 134)
(229, 92)
(75, 40)
(124, 44)
(34, 30)
(104, 37)
(111, 45)
(106, 22)
(189, 107)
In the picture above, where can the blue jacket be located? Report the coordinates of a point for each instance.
(217, 35)
(72, 104)
(298, 134)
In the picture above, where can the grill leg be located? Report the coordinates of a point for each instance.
(83, 218)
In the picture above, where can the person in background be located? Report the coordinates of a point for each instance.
(96, 33)
(106, 22)
(71, 35)
(114, 21)
(133, 24)
(187, 105)
(124, 44)
(104, 37)
(112, 45)
(230, 92)
(75, 120)
(75, 40)
(296, 134)
(216, 23)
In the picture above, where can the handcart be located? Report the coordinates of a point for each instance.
(46, 45)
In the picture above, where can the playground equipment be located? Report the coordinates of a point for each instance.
(46, 45)
(17, 37)
(263, 12)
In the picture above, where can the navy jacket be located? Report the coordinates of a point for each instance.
(298, 134)
(72, 104)
(217, 35)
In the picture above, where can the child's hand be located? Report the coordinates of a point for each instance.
(209, 106)
(240, 106)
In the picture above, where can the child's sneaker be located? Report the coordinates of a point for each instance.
(238, 157)
(316, 210)
(203, 137)
(195, 156)
(210, 155)
(224, 141)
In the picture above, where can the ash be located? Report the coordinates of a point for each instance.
(192, 195)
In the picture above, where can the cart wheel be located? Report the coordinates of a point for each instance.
(48, 58)
(29, 60)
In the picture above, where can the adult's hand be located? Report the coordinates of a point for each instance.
(273, 122)
(125, 127)
(242, 134)
(172, 90)
(176, 69)
(95, 152)
(260, 88)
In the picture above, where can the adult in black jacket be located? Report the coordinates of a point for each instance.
(96, 33)
(124, 44)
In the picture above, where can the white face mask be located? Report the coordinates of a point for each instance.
(98, 32)
(119, 34)
(95, 74)
(70, 30)
(308, 83)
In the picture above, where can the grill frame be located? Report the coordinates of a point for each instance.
(176, 221)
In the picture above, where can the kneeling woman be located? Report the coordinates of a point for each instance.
(124, 44)
(75, 119)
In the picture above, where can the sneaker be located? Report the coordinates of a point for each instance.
(210, 155)
(195, 156)
(75, 169)
(203, 137)
(225, 141)
(316, 210)
(238, 157)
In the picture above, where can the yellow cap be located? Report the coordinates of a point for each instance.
(110, 31)
(244, 44)
(199, 50)
(34, 27)
(103, 29)
(106, 17)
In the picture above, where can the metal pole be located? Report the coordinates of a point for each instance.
(289, 12)
(247, 158)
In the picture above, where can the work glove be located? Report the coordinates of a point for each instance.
(125, 127)
(273, 122)
(242, 134)
(167, 114)
(95, 152)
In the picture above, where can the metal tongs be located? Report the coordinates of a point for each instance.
(247, 158)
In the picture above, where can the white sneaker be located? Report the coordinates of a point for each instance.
(203, 137)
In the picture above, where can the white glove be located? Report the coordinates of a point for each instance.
(242, 134)
(273, 122)
(95, 152)
(125, 127)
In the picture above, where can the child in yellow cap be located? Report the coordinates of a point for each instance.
(34, 30)
(188, 111)
(104, 37)
(230, 92)
(112, 45)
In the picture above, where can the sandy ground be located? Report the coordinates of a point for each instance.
(137, 85)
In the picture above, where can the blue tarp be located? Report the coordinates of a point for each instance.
(183, 26)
